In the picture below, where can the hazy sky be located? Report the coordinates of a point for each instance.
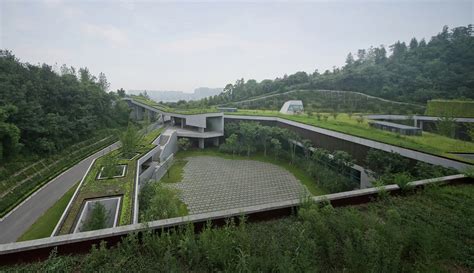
(182, 46)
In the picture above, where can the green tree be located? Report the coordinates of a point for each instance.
(292, 139)
(381, 163)
(97, 218)
(130, 140)
(9, 134)
(110, 167)
(264, 134)
(248, 131)
(232, 142)
(276, 144)
(121, 93)
(184, 144)
(446, 126)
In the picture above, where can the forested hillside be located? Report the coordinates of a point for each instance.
(42, 111)
(416, 71)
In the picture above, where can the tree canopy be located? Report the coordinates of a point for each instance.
(42, 111)
(417, 72)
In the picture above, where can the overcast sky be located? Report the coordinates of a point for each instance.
(182, 46)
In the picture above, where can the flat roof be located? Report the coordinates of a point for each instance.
(394, 125)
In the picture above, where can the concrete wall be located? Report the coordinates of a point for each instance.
(196, 120)
(147, 174)
(356, 146)
(215, 124)
(161, 169)
(171, 145)
(82, 242)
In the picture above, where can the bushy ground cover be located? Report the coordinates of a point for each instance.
(159, 202)
(354, 125)
(94, 188)
(425, 231)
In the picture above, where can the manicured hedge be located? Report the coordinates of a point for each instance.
(450, 108)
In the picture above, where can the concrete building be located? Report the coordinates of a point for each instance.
(292, 107)
(396, 128)
(203, 129)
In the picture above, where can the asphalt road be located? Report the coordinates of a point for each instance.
(16, 223)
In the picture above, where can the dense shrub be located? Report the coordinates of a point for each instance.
(159, 202)
(424, 232)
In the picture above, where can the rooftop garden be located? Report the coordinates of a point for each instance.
(357, 125)
(111, 182)
(426, 231)
(451, 108)
(165, 108)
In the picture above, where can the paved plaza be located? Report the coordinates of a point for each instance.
(213, 183)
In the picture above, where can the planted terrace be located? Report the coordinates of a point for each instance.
(119, 182)
(167, 109)
(357, 125)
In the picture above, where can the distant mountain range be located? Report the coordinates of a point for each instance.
(173, 96)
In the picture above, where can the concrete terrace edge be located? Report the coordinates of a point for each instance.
(73, 198)
(420, 156)
(180, 115)
(14, 251)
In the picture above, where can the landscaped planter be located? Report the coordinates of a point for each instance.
(112, 208)
(121, 171)
(130, 157)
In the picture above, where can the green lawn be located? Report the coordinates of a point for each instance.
(94, 188)
(425, 231)
(167, 109)
(175, 172)
(44, 226)
(305, 179)
(428, 143)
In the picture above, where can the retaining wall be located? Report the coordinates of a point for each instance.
(358, 147)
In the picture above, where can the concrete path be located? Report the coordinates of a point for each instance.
(14, 224)
(214, 183)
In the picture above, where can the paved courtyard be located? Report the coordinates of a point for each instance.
(213, 183)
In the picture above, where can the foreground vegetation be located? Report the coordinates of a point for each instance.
(357, 126)
(427, 231)
(160, 202)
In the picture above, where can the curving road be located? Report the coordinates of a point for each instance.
(14, 224)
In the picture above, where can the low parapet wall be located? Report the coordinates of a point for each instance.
(82, 242)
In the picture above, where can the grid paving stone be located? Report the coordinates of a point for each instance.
(212, 183)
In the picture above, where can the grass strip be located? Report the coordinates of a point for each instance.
(44, 226)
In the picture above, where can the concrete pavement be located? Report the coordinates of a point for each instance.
(14, 224)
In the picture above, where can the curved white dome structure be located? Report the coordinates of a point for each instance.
(292, 107)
